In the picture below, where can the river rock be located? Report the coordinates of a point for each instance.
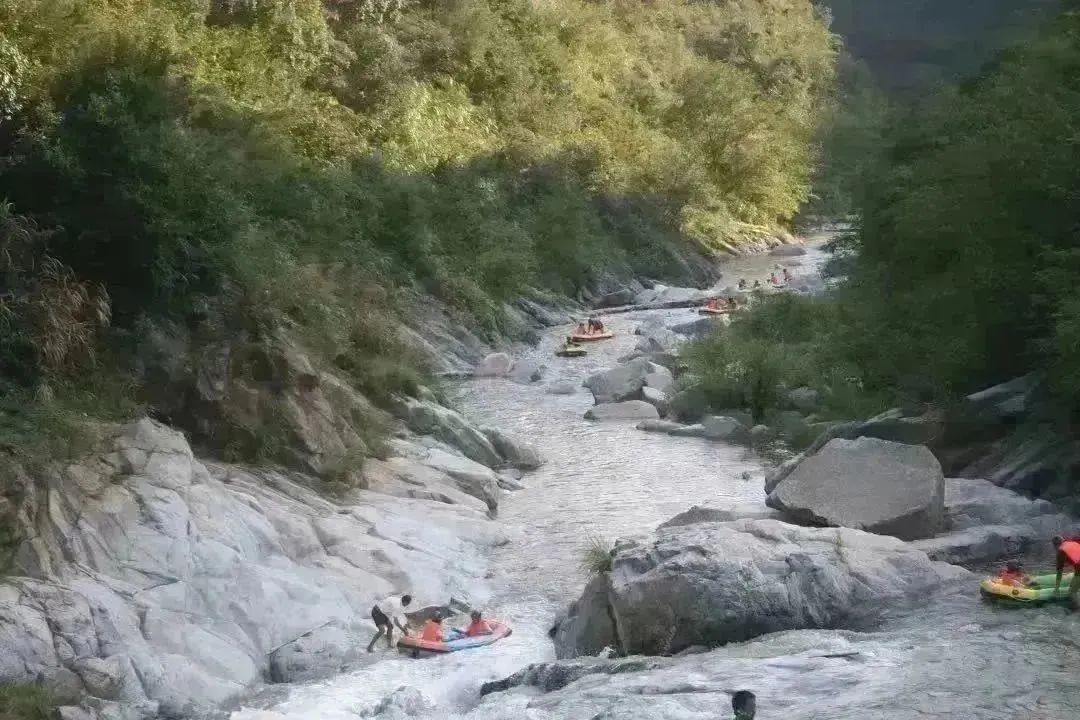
(405, 702)
(697, 430)
(661, 379)
(658, 426)
(620, 383)
(617, 298)
(656, 398)
(688, 405)
(526, 372)
(869, 484)
(698, 328)
(315, 655)
(761, 435)
(720, 582)
(508, 482)
(494, 365)
(978, 545)
(563, 387)
(787, 251)
(725, 429)
(699, 514)
(429, 418)
(473, 478)
(513, 452)
(628, 410)
(659, 340)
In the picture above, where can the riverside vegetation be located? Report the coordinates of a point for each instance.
(962, 270)
(244, 170)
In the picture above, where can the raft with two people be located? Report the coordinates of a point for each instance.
(589, 331)
(417, 647)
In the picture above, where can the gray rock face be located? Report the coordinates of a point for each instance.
(688, 405)
(620, 383)
(405, 702)
(161, 585)
(429, 418)
(700, 327)
(725, 429)
(494, 365)
(629, 410)
(513, 452)
(696, 430)
(761, 435)
(659, 340)
(717, 582)
(787, 251)
(315, 655)
(625, 296)
(978, 544)
(868, 484)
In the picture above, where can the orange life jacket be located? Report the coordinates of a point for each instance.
(480, 627)
(1071, 549)
(432, 632)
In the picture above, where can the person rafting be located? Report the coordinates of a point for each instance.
(787, 275)
(757, 284)
(731, 304)
(712, 304)
(595, 327)
(773, 279)
(1014, 575)
(580, 330)
(744, 705)
(1068, 553)
(433, 629)
(742, 283)
(478, 626)
(387, 614)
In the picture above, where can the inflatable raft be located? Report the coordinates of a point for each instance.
(1041, 589)
(592, 338)
(421, 648)
(571, 351)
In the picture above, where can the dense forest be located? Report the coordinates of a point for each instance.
(963, 267)
(235, 168)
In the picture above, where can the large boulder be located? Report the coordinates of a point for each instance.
(430, 418)
(315, 655)
(527, 371)
(661, 379)
(619, 383)
(710, 583)
(804, 398)
(625, 296)
(629, 410)
(473, 478)
(513, 452)
(699, 514)
(494, 365)
(658, 341)
(724, 429)
(656, 398)
(787, 251)
(868, 484)
(689, 404)
(696, 328)
(658, 426)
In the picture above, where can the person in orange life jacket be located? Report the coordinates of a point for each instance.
(1068, 553)
(478, 626)
(433, 630)
(1014, 575)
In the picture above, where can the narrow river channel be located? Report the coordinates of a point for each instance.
(954, 658)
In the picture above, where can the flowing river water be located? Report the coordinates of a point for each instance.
(953, 657)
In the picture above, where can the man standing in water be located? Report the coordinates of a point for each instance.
(1068, 553)
(387, 614)
(744, 703)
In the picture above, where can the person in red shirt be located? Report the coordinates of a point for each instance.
(1068, 554)
(1014, 575)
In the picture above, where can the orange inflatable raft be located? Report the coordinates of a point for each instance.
(413, 645)
(592, 338)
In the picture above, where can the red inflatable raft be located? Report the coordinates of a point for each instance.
(592, 338)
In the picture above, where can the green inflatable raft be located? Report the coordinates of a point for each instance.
(1039, 590)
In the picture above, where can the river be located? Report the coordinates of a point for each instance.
(953, 658)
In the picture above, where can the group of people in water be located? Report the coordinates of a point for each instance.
(1067, 552)
(717, 304)
(389, 613)
(774, 280)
